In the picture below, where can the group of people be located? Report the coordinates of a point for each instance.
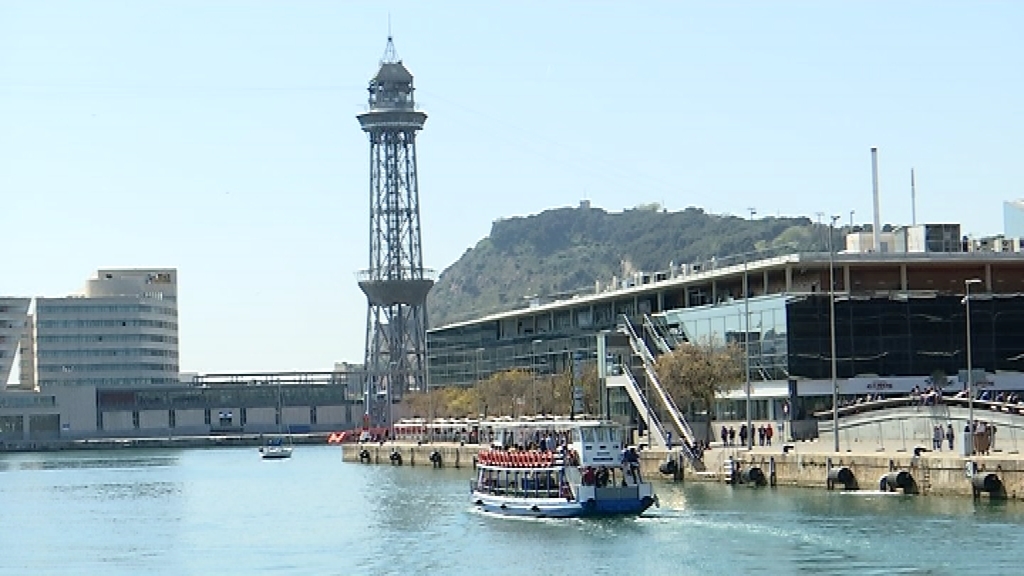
(629, 460)
(929, 396)
(938, 434)
(764, 432)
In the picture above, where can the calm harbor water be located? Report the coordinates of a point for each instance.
(225, 511)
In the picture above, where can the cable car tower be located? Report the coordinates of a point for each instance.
(395, 284)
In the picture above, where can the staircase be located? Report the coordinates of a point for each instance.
(660, 341)
(640, 349)
(655, 429)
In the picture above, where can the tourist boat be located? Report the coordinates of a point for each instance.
(276, 449)
(559, 469)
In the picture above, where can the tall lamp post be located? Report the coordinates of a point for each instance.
(970, 373)
(832, 335)
(533, 363)
(746, 343)
(746, 351)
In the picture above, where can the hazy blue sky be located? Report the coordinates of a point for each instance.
(220, 137)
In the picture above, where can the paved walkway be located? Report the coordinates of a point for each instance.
(824, 446)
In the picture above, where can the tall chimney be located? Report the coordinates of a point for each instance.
(913, 200)
(876, 229)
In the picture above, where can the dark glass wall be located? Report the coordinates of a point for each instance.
(909, 336)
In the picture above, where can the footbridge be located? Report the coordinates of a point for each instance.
(907, 423)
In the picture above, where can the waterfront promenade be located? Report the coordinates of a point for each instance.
(802, 464)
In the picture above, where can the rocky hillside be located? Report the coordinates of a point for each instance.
(569, 249)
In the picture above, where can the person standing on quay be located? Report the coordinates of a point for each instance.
(949, 435)
(768, 433)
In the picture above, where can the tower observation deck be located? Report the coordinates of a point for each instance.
(396, 283)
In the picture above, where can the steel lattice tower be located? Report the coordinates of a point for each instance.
(396, 284)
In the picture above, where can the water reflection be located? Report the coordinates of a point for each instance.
(66, 462)
(121, 491)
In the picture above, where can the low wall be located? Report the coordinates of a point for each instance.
(934, 474)
(939, 474)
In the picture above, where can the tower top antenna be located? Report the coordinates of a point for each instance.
(390, 54)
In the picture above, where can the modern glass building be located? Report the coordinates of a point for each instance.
(900, 321)
(1013, 218)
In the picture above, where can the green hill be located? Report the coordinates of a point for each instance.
(569, 249)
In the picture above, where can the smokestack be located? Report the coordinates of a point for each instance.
(876, 229)
(913, 200)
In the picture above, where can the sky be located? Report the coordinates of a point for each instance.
(219, 137)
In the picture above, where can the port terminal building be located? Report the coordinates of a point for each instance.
(900, 323)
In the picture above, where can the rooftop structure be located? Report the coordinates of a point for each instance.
(1013, 218)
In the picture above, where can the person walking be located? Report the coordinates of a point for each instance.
(937, 438)
(768, 433)
(949, 435)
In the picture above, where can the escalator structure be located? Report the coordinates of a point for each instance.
(662, 408)
(656, 432)
(665, 337)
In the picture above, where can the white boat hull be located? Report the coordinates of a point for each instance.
(589, 501)
(276, 452)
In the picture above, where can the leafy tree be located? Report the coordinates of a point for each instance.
(696, 373)
(939, 379)
(509, 393)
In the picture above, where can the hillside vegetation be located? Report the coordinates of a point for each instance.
(569, 249)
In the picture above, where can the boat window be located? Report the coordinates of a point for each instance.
(576, 435)
(588, 435)
(613, 435)
(602, 434)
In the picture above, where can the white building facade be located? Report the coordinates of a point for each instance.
(13, 323)
(122, 332)
(1013, 218)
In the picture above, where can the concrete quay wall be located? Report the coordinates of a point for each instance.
(804, 465)
(933, 473)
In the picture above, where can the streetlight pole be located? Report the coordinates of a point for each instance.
(970, 373)
(430, 395)
(746, 351)
(476, 369)
(832, 335)
(746, 343)
(533, 365)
